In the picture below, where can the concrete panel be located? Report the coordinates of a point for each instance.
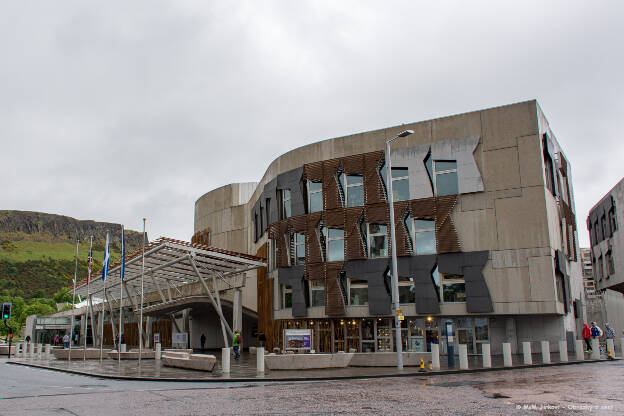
(521, 222)
(413, 158)
(462, 125)
(501, 125)
(501, 169)
(476, 229)
(530, 161)
(542, 278)
(510, 285)
(461, 149)
(516, 258)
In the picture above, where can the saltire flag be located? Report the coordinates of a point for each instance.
(106, 259)
(123, 252)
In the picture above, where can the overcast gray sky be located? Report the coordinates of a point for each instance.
(122, 110)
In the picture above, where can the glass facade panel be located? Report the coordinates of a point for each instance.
(336, 250)
(286, 212)
(446, 184)
(400, 189)
(316, 202)
(318, 294)
(442, 165)
(407, 294)
(355, 196)
(377, 240)
(358, 292)
(454, 292)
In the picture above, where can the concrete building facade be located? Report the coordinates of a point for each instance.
(607, 257)
(485, 225)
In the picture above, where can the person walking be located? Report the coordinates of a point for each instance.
(262, 339)
(587, 337)
(596, 332)
(117, 342)
(65, 341)
(609, 332)
(56, 340)
(202, 340)
(236, 342)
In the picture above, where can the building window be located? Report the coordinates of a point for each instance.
(454, 288)
(286, 212)
(482, 336)
(334, 244)
(400, 184)
(610, 263)
(612, 219)
(436, 278)
(406, 290)
(358, 292)
(600, 268)
(603, 221)
(377, 241)
(548, 166)
(297, 249)
(317, 293)
(352, 189)
(286, 296)
(315, 196)
(560, 287)
(422, 233)
(273, 258)
(443, 176)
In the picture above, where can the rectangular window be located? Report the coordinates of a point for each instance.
(353, 190)
(600, 268)
(317, 293)
(612, 219)
(334, 244)
(297, 249)
(423, 237)
(400, 184)
(377, 241)
(603, 221)
(315, 196)
(273, 259)
(610, 263)
(453, 288)
(286, 212)
(560, 289)
(358, 292)
(548, 167)
(446, 177)
(406, 290)
(286, 296)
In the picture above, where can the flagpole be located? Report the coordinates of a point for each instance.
(121, 277)
(84, 351)
(142, 276)
(104, 275)
(71, 330)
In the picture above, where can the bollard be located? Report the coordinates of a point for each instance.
(225, 360)
(157, 351)
(31, 350)
(563, 351)
(580, 350)
(595, 354)
(610, 349)
(46, 349)
(435, 356)
(260, 359)
(38, 349)
(526, 352)
(545, 352)
(463, 356)
(18, 350)
(487, 356)
(507, 362)
(123, 347)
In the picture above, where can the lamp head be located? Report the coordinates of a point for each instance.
(406, 133)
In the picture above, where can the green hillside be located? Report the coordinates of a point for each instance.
(37, 258)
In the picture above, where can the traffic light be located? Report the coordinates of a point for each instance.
(6, 311)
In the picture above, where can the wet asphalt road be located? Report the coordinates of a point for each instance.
(594, 388)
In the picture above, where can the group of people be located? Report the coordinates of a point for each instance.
(595, 332)
(123, 341)
(58, 339)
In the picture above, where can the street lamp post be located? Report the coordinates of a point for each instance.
(395, 276)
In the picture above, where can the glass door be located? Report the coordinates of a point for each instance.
(368, 335)
(416, 335)
(353, 336)
(384, 335)
(339, 336)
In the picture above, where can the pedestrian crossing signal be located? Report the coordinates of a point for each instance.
(6, 311)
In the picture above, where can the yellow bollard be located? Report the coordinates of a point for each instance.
(422, 365)
(609, 356)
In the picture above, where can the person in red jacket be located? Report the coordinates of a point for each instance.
(587, 337)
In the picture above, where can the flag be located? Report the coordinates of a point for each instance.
(123, 252)
(90, 260)
(106, 259)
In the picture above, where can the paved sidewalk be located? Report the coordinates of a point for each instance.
(244, 369)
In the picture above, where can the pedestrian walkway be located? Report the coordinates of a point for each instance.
(245, 369)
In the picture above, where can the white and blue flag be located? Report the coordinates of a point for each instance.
(123, 252)
(106, 259)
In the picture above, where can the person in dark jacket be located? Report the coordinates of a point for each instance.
(262, 339)
(202, 340)
(587, 337)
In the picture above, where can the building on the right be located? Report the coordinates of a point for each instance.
(607, 258)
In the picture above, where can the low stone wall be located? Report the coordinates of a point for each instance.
(202, 362)
(133, 354)
(78, 354)
(4, 349)
(307, 361)
(388, 359)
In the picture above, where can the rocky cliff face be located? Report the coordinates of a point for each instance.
(39, 225)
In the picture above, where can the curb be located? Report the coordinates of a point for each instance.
(262, 380)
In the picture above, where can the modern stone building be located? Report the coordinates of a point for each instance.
(607, 257)
(485, 225)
